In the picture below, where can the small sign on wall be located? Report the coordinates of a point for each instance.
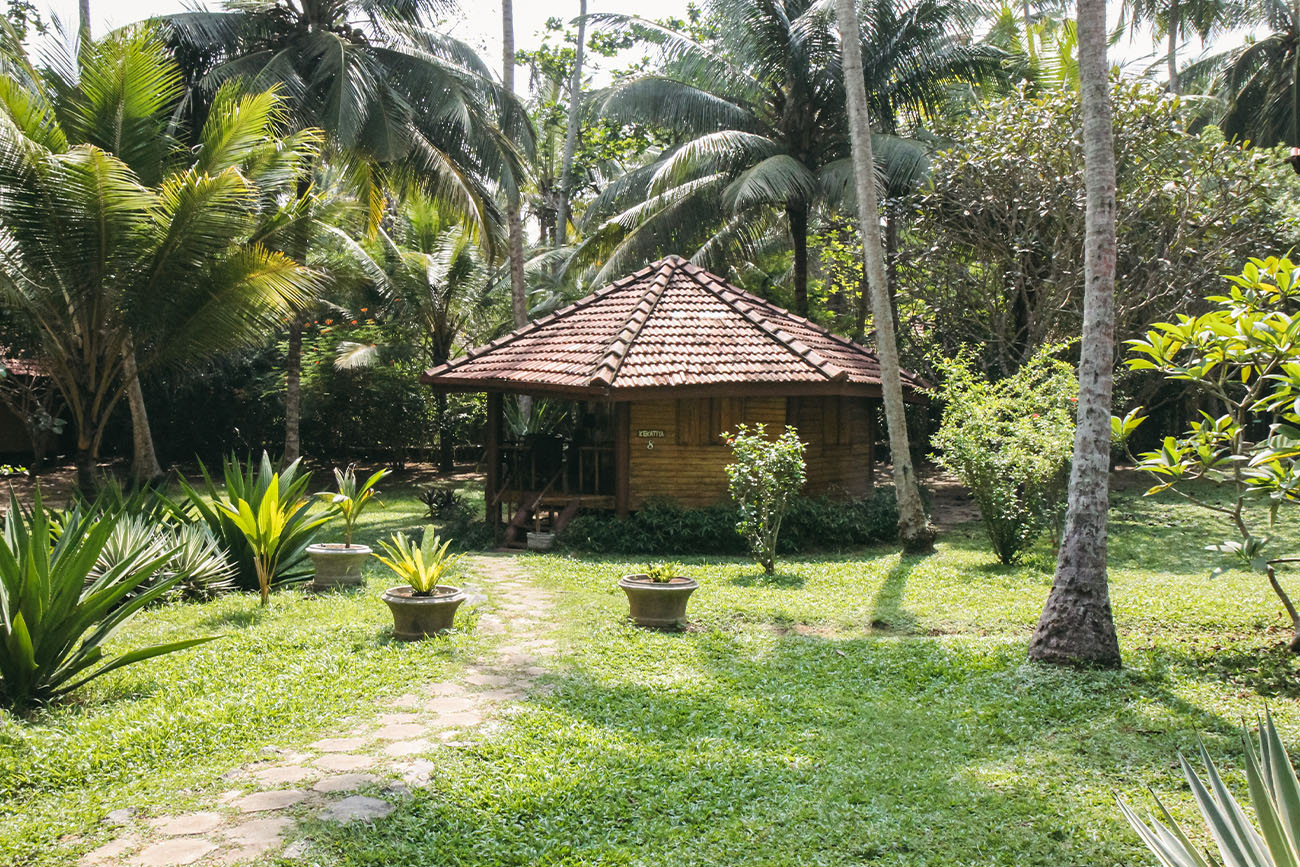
(647, 434)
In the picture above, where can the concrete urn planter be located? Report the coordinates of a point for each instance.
(658, 605)
(337, 565)
(416, 617)
(541, 541)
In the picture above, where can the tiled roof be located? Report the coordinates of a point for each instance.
(18, 365)
(671, 326)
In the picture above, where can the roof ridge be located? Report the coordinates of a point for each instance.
(736, 299)
(525, 330)
(616, 352)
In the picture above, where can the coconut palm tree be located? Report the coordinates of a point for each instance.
(759, 117)
(1260, 80)
(1177, 20)
(401, 105)
(119, 241)
(514, 219)
(1077, 625)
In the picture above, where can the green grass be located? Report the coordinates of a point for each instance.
(852, 709)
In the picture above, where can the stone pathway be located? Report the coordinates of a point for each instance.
(357, 776)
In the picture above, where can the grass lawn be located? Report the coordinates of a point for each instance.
(862, 708)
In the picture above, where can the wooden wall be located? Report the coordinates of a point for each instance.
(686, 462)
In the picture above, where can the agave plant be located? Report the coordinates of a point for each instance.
(53, 621)
(1274, 794)
(351, 498)
(424, 565)
(251, 484)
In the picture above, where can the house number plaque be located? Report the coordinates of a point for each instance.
(650, 436)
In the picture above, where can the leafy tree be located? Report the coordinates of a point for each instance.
(1244, 354)
(1077, 625)
(121, 241)
(762, 136)
(764, 479)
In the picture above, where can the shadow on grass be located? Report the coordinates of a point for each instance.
(887, 611)
(783, 580)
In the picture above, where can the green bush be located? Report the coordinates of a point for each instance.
(56, 612)
(1010, 442)
(662, 527)
(764, 476)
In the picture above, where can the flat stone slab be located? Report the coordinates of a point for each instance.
(339, 745)
(344, 762)
(448, 704)
(506, 694)
(344, 783)
(357, 808)
(181, 850)
(464, 718)
(399, 731)
(111, 852)
(275, 800)
(189, 823)
(392, 719)
(409, 748)
(258, 832)
(282, 774)
(488, 679)
(406, 700)
(444, 688)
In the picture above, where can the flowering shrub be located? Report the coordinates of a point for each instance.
(1010, 442)
(764, 478)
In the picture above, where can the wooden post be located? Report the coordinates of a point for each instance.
(492, 484)
(622, 457)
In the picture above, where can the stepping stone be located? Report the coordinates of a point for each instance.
(418, 772)
(399, 731)
(182, 850)
(406, 700)
(487, 679)
(357, 808)
(391, 719)
(243, 854)
(190, 823)
(122, 816)
(258, 832)
(450, 704)
(409, 748)
(490, 625)
(110, 853)
(462, 719)
(275, 800)
(344, 783)
(344, 762)
(278, 776)
(228, 796)
(534, 671)
(339, 745)
(445, 688)
(502, 694)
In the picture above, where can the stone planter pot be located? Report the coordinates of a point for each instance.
(337, 565)
(416, 617)
(540, 541)
(657, 606)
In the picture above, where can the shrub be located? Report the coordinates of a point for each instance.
(196, 566)
(764, 478)
(1010, 442)
(423, 565)
(56, 614)
(351, 498)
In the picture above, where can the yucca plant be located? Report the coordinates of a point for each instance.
(1274, 794)
(351, 498)
(202, 567)
(423, 565)
(251, 483)
(53, 622)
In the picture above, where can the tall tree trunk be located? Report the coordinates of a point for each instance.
(1077, 626)
(797, 214)
(571, 132)
(1029, 36)
(83, 21)
(144, 460)
(1175, 25)
(891, 258)
(913, 528)
(1295, 79)
(514, 223)
(293, 394)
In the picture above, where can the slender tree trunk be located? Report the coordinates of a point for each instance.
(1077, 626)
(913, 528)
(1029, 36)
(797, 214)
(293, 394)
(514, 223)
(144, 460)
(1295, 78)
(85, 463)
(1175, 25)
(891, 259)
(83, 21)
(571, 132)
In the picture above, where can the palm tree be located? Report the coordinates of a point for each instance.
(400, 103)
(1260, 81)
(571, 129)
(1076, 625)
(913, 528)
(1176, 20)
(514, 220)
(150, 251)
(759, 115)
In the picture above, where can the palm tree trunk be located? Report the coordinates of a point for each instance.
(913, 527)
(514, 223)
(571, 132)
(83, 20)
(1295, 76)
(144, 460)
(1076, 626)
(293, 394)
(1175, 25)
(797, 215)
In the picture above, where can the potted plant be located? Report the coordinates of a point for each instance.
(339, 565)
(423, 606)
(657, 597)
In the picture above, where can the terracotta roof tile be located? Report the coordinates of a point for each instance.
(669, 325)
